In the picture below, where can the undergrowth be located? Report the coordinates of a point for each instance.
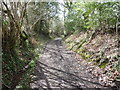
(101, 54)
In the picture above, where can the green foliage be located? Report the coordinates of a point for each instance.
(34, 54)
(11, 65)
(5, 22)
(45, 14)
(83, 53)
(103, 63)
(91, 15)
(43, 18)
(32, 63)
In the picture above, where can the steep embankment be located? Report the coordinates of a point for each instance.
(100, 50)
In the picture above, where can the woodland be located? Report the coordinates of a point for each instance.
(53, 41)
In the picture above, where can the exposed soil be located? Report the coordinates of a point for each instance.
(64, 69)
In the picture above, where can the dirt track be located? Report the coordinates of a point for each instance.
(59, 68)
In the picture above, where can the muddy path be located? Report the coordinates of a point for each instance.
(59, 68)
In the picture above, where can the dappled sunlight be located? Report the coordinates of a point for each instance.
(60, 45)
